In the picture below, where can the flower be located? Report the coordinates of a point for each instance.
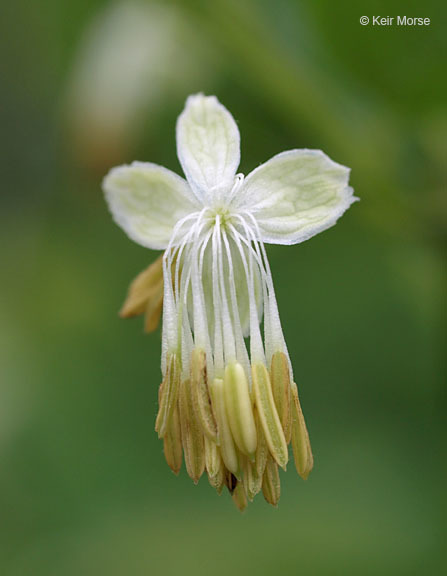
(228, 400)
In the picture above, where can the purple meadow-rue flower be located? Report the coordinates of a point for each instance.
(228, 402)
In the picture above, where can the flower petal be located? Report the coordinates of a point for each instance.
(208, 145)
(147, 200)
(295, 195)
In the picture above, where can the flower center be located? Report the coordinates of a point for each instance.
(220, 201)
(220, 216)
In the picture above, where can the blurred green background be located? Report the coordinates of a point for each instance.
(87, 84)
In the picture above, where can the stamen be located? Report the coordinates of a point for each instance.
(271, 487)
(279, 373)
(201, 334)
(241, 350)
(218, 344)
(254, 471)
(192, 436)
(214, 466)
(239, 497)
(268, 414)
(200, 394)
(172, 442)
(168, 395)
(256, 346)
(239, 410)
(233, 417)
(275, 333)
(302, 451)
(262, 450)
(228, 335)
(226, 442)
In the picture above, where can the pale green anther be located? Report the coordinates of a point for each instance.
(214, 465)
(218, 481)
(254, 471)
(262, 450)
(280, 378)
(239, 497)
(168, 395)
(302, 452)
(161, 399)
(200, 394)
(212, 457)
(239, 409)
(252, 479)
(192, 436)
(268, 414)
(227, 446)
(172, 442)
(271, 487)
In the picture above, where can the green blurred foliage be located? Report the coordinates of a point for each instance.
(84, 488)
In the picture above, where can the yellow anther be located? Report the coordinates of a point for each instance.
(271, 487)
(214, 466)
(268, 414)
(168, 394)
(226, 442)
(172, 442)
(200, 394)
(254, 471)
(239, 497)
(280, 378)
(252, 480)
(192, 436)
(262, 450)
(302, 451)
(239, 409)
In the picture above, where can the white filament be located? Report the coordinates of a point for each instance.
(203, 300)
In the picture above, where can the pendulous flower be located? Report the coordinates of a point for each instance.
(228, 401)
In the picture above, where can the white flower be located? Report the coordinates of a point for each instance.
(232, 407)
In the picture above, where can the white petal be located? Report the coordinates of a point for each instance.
(208, 145)
(147, 200)
(295, 195)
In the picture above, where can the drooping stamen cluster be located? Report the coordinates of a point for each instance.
(227, 399)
